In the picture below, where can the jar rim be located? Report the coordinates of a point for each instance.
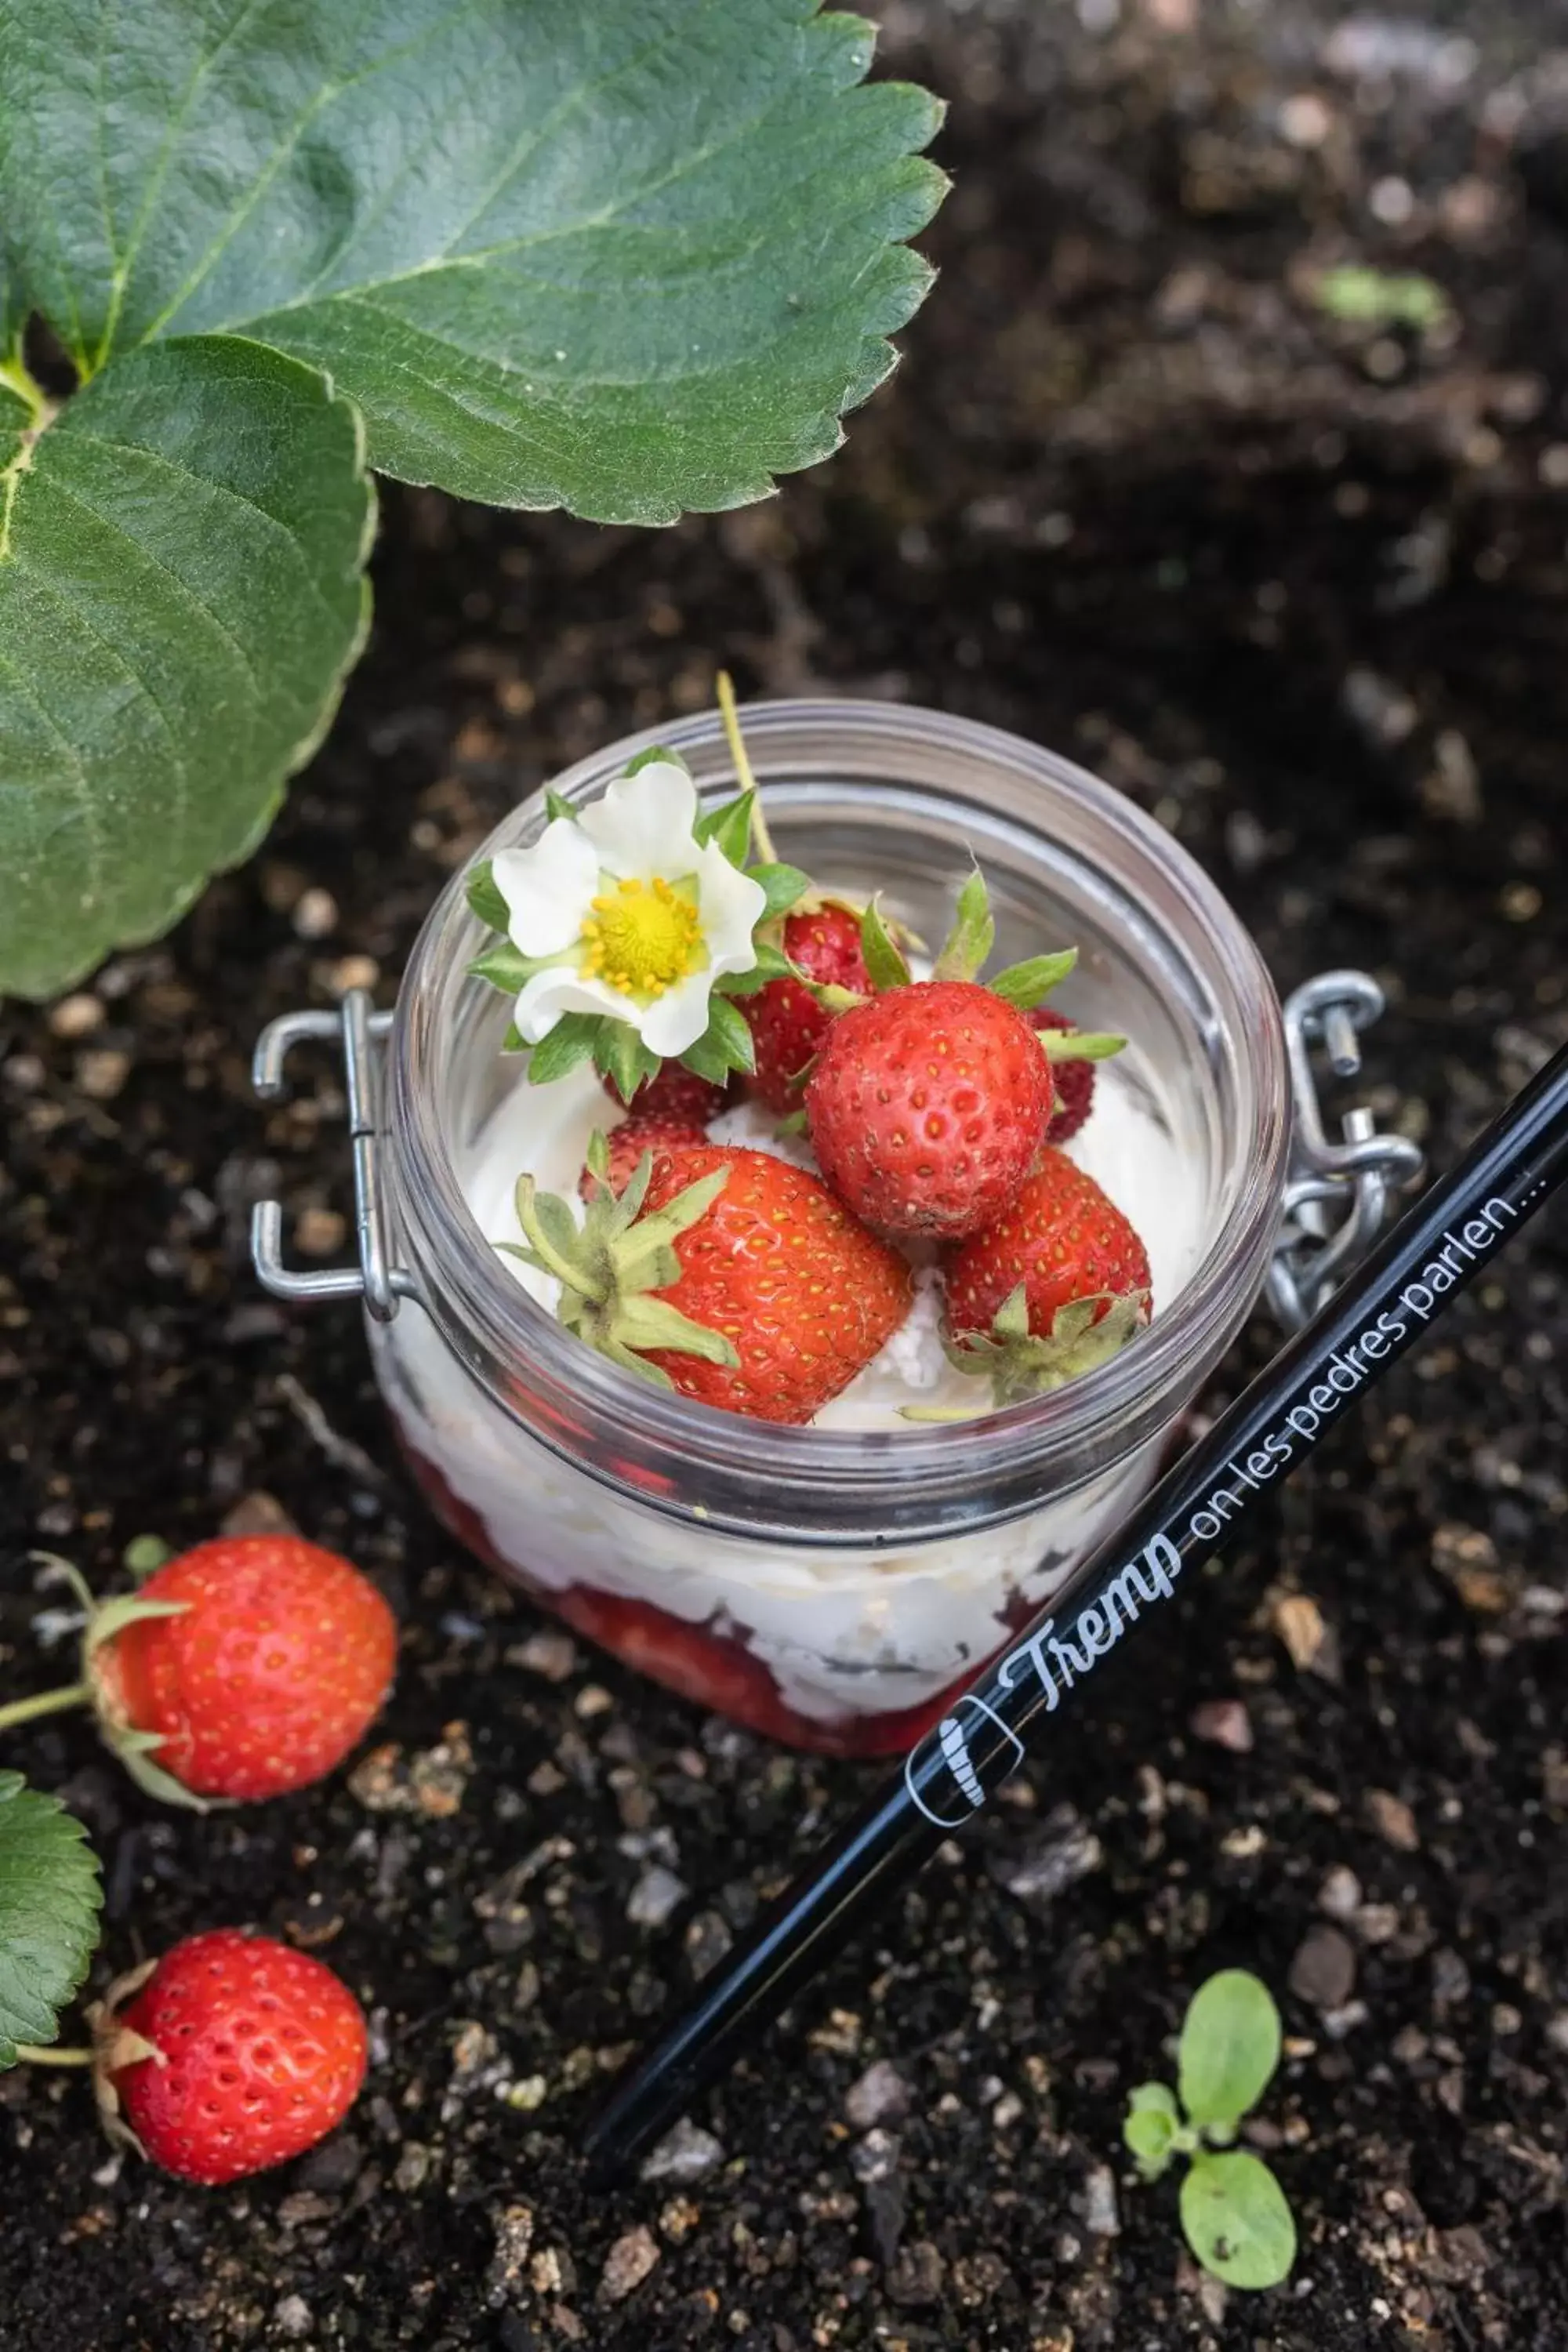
(981, 1471)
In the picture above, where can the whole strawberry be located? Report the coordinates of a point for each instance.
(929, 1099)
(1054, 1287)
(628, 1143)
(727, 1274)
(787, 1022)
(1073, 1076)
(673, 1093)
(242, 1669)
(232, 2053)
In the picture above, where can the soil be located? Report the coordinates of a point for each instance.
(1298, 584)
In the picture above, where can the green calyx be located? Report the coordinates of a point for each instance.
(611, 1266)
(99, 1684)
(1021, 1364)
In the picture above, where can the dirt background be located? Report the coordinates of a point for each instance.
(1299, 586)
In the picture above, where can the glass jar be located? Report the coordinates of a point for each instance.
(829, 1586)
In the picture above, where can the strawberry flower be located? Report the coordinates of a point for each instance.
(625, 911)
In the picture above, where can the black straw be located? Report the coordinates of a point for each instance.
(1198, 1509)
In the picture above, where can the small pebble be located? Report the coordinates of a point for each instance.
(1339, 1893)
(320, 1233)
(656, 1894)
(1224, 1723)
(881, 2096)
(1066, 1850)
(292, 2318)
(101, 1072)
(413, 2167)
(1393, 1819)
(628, 2263)
(1323, 1970)
(916, 2277)
(554, 1655)
(76, 1016)
(686, 2153)
(1557, 2032)
(1100, 2217)
(315, 914)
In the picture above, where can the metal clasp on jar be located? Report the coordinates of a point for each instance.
(359, 1032)
(1335, 1201)
(1336, 1195)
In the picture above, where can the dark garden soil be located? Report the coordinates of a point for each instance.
(1298, 587)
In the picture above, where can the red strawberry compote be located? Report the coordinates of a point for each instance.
(852, 1650)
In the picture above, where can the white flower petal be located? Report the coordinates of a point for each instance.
(549, 994)
(677, 1019)
(643, 823)
(729, 907)
(549, 888)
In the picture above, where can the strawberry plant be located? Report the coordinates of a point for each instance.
(1234, 2213)
(630, 258)
(49, 1899)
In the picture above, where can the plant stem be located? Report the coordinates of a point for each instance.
(724, 684)
(23, 1710)
(35, 2057)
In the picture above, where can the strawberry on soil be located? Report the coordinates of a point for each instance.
(232, 2053)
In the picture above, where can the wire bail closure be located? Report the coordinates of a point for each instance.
(359, 1032)
(1336, 1195)
(1335, 1201)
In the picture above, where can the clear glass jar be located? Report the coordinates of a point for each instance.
(830, 1586)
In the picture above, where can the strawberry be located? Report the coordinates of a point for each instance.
(1074, 1078)
(675, 1093)
(726, 1274)
(246, 1667)
(927, 1105)
(787, 1022)
(628, 1143)
(1055, 1287)
(230, 2054)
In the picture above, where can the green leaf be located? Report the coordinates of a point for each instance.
(622, 1057)
(782, 885)
(1028, 983)
(770, 964)
(1150, 2128)
(180, 593)
(485, 899)
(571, 1041)
(556, 805)
(885, 965)
(503, 966)
(724, 1046)
(1236, 2220)
(656, 756)
(49, 1898)
(730, 826)
(1229, 2047)
(970, 941)
(629, 258)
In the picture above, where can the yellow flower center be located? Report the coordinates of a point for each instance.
(641, 937)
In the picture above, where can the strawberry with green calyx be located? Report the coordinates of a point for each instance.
(629, 926)
(1073, 1075)
(1054, 1288)
(726, 1274)
(231, 2054)
(242, 1669)
(788, 1019)
(929, 1099)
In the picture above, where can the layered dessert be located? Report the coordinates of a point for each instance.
(767, 1151)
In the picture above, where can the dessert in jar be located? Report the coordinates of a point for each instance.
(826, 1580)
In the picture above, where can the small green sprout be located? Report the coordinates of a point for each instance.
(1234, 2213)
(1363, 297)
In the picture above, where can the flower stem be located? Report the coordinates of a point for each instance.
(23, 1710)
(766, 854)
(36, 2057)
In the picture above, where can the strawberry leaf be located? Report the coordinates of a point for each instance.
(782, 885)
(1027, 985)
(572, 1039)
(973, 935)
(485, 899)
(49, 1899)
(772, 964)
(725, 1045)
(1236, 2221)
(1229, 2047)
(656, 756)
(557, 807)
(621, 1054)
(730, 826)
(885, 965)
(503, 966)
